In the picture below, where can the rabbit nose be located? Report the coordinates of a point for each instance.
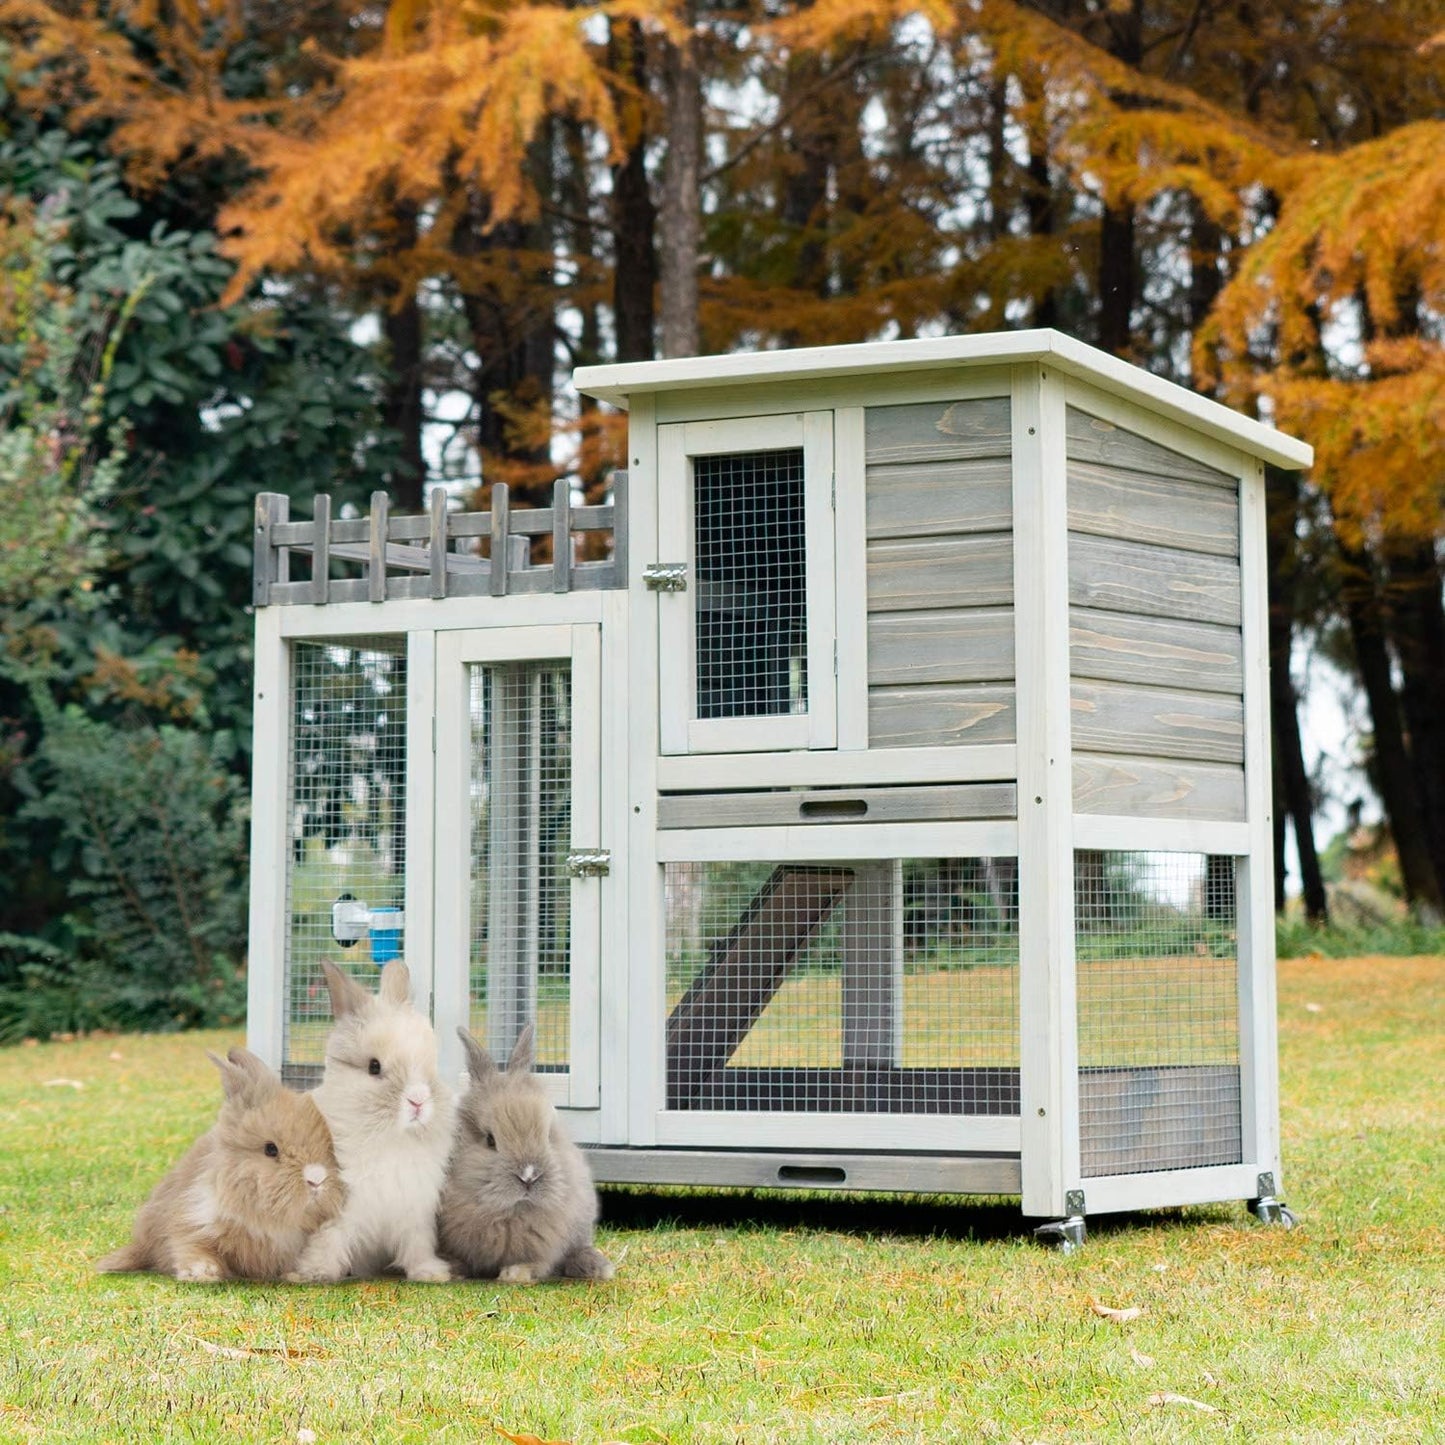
(314, 1175)
(528, 1173)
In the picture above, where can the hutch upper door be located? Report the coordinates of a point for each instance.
(518, 866)
(747, 647)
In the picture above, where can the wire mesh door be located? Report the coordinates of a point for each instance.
(1158, 1010)
(517, 925)
(747, 644)
(879, 986)
(346, 808)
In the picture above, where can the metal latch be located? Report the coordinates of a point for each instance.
(665, 576)
(589, 863)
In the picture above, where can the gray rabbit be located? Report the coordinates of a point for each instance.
(519, 1204)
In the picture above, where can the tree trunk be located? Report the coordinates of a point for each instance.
(634, 217)
(1039, 202)
(1417, 629)
(1394, 772)
(1116, 280)
(1292, 778)
(1117, 274)
(680, 222)
(401, 402)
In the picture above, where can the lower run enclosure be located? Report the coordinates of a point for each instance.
(874, 794)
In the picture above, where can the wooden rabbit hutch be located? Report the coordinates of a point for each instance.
(886, 805)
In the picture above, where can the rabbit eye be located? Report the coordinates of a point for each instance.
(374, 1068)
(489, 1140)
(272, 1152)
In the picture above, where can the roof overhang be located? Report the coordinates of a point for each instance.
(619, 383)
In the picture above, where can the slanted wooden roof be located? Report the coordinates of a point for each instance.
(617, 384)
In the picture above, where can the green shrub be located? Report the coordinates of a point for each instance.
(150, 835)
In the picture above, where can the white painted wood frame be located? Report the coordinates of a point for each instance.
(754, 1129)
(1049, 1104)
(1167, 1188)
(968, 763)
(1254, 878)
(850, 510)
(682, 731)
(270, 841)
(418, 951)
(579, 645)
(643, 1046)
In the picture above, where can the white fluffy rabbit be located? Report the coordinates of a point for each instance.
(519, 1204)
(391, 1120)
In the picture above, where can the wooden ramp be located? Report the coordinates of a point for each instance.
(743, 972)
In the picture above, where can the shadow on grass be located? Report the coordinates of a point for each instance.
(984, 1220)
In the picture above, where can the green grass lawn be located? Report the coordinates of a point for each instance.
(736, 1318)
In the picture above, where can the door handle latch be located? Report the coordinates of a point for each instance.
(665, 576)
(589, 863)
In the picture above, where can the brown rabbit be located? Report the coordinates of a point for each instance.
(519, 1203)
(247, 1195)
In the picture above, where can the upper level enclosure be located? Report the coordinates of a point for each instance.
(853, 547)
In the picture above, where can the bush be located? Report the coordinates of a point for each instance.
(150, 835)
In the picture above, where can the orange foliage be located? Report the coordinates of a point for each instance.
(1356, 245)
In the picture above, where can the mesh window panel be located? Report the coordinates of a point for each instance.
(346, 800)
(521, 827)
(886, 986)
(751, 584)
(1158, 1012)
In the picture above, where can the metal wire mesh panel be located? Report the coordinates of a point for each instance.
(751, 584)
(886, 986)
(346, 801)
(521, 824)
(1158, 1010)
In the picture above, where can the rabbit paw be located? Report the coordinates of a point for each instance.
(434, 1271)
(201, 1269)
(519, 1274)
(588, 1263)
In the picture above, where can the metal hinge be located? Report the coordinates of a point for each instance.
(665, 576)
(589, 863)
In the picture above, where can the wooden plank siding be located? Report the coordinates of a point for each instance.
(1091, 439)
(1119, 647)
(1155, 646)
(939, 490)
(1157, 788)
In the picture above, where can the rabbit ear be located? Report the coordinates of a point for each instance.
(521, 1060)
(396, 982)
(239, 1081)
(480, 1064)
(265, 1079)
(347, 996)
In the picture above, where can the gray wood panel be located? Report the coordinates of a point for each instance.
(916, 717)
(1157, 722)
(1091, 439)
(937, 430)
(1111, 502)
(971, 644)
(909, 576)
(775, 1169)
(939, 803)
(922, 499)
(1116, 647)
(1154, 788)
(1150, 581)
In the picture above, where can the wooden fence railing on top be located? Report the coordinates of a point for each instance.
(438, 555)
